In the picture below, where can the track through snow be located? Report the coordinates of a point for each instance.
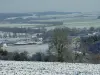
(47, 68)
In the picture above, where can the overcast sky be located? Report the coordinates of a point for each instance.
(49, 5)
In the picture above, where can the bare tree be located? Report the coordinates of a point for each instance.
(59, 44)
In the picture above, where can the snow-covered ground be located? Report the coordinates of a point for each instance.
(47, 68)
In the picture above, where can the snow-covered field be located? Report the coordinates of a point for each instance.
(31, 49)
(47, 68)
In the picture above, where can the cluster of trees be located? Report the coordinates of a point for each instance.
(22, 56)
(90, 46)
(88, 50)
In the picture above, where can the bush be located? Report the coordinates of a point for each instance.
(40, 57)
(37, 57)
(20, 56)
(16, 56)
(4, 53)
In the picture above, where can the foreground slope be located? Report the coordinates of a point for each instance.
(47, 68)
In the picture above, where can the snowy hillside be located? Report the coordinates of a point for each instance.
(47, 68)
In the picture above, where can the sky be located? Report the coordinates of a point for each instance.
(49, 5)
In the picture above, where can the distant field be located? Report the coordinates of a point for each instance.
(19, 25)
(67, 23)
(82, 23)
(78, 24)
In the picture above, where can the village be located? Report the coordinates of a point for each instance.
(11, 41)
